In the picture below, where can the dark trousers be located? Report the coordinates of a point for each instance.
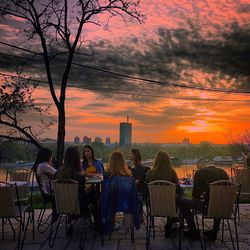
(187, 205)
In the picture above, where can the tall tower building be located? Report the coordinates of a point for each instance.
(125, 133)
(77, 140)
(108, 140)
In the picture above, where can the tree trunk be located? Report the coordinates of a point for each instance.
(60, 135)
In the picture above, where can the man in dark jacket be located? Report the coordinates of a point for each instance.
(200, 198)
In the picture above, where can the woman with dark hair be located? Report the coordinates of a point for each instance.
(45, 173)
(162, 170)
(90, 165)
(138, 171)
(43, 169)
(71, 169)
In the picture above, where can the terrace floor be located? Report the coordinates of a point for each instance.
(119, 241)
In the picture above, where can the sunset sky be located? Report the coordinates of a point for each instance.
(198, 43)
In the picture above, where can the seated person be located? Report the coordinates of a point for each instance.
(163, 170)
(138, 171)
(44, 170)
(71, 169)
(119, 193)
(90, 165)
(200, 198)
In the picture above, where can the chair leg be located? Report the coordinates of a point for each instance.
(132, 235)
(236, 234)
(149, 230)
(13, 230)
(52, 241)
(203, 230)
(231, 236)
(82, 240)
(222, 233)
(19, 234)
(153, 226)
(2, 228)
(181, 227)
(147, 225)
(25, 230)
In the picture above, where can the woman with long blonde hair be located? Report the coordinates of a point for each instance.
(118, 165)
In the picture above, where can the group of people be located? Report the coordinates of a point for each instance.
(75, 168)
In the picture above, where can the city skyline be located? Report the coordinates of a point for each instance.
(185, 73)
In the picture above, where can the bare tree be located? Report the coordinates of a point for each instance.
(60, 24)
(16, 101)
(240, 144)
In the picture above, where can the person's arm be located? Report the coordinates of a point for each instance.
(49, 170)
(175, 177)
(140, 174)
(99, 167)
(198, 186)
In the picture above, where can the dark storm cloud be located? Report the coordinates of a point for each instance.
(244, 8)
(168, 59)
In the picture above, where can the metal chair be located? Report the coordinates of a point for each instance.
(67, 204)
(10, 207)
(18, 174)
(223, 204)
(162, 203)
(242, 176)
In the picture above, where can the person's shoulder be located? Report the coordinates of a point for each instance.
(97, 162)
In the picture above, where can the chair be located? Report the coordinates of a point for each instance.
(223, 204)
(18, 174)
(10, 207)
(162, 203)
(242, 176)
(67, 204)
(119, 195)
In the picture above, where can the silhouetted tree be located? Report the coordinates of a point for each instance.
(15, 101)
(59, 26)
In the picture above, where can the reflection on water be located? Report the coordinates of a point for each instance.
(2, 174)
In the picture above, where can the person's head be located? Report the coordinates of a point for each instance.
(201, 163)
(162, 161)
(72, 162)
(135, 156)
(43, 155)
(88, 153)
(117, 165)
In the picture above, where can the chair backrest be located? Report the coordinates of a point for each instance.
(223, 195)
(244, 160)
(242, 176)
(66, 196)
(19, 174)
(162, 199)
(9, 195)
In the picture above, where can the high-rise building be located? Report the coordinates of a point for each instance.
(86, 140)
(77, 140)
(108, 140)
(125, 133)
(98, 139)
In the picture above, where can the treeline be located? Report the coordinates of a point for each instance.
(14, 151)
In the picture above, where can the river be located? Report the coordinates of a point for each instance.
(182, 171)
